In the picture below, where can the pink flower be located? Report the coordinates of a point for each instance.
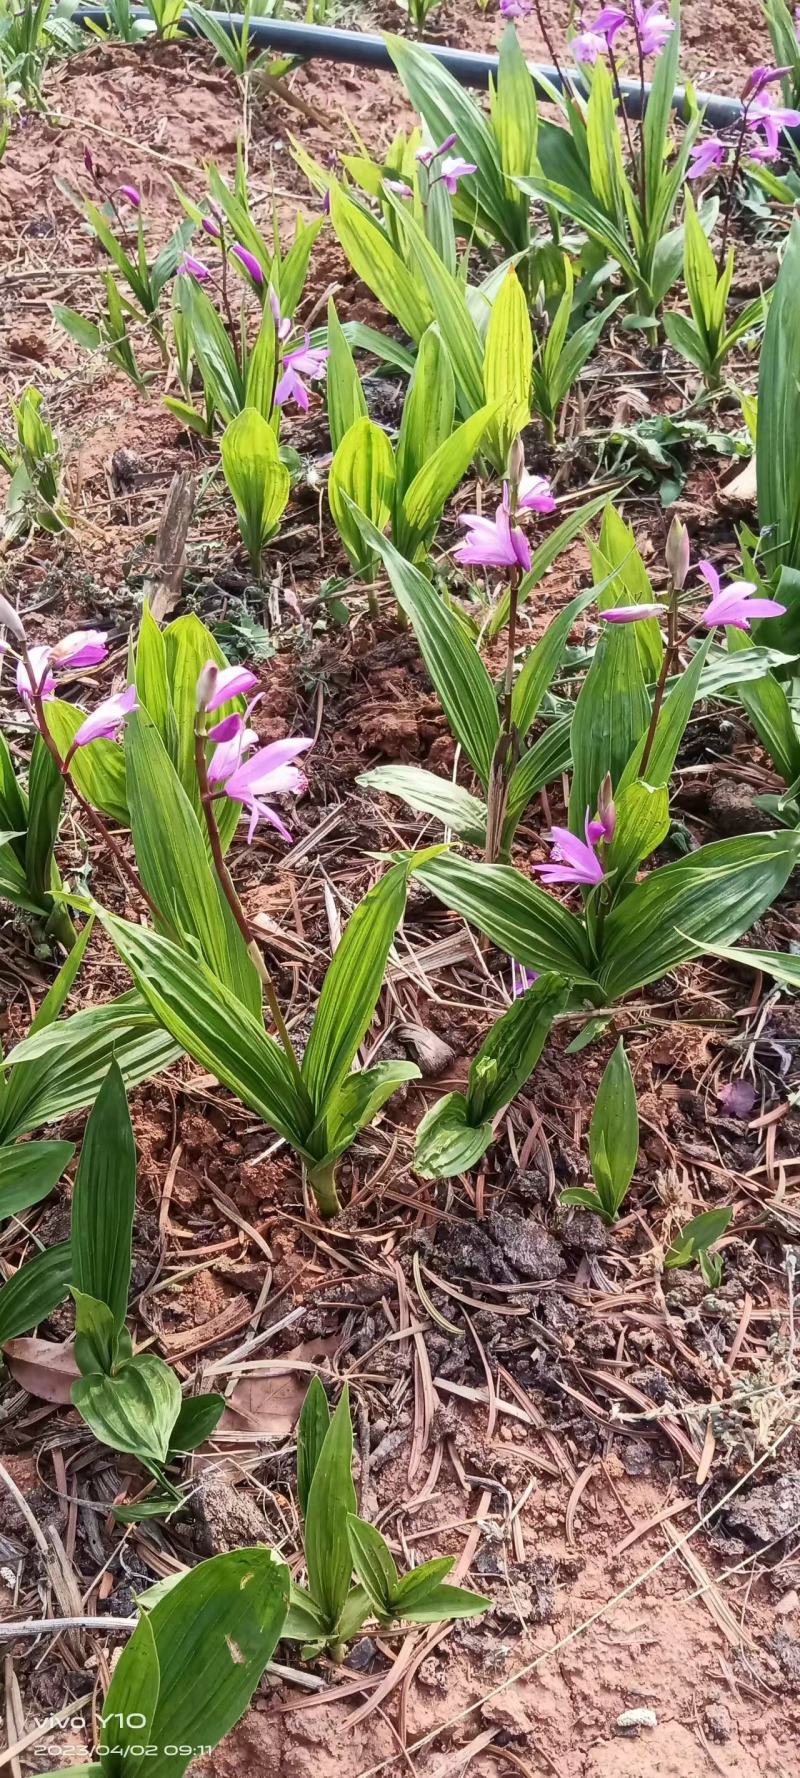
(521, 979)
(516, 9)
(706, 157)
(211, 226)
(105, 722)
(595, 39)
(652, 27)
(283, 325)
(217, 685)
(454, 169)
(233, 739)
(533, 494)
(304, 361)
(133, 196)
(493, 543)
(399, 186)
(249, 261)
(572, 860)
(42, 682)
(193, 268)
(771, 119)
(761, 77)
(426, 155)
(269, 773)
(83, 648)
(630, 614)
(736, 604)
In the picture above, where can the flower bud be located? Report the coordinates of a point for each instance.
(677, 554)
(206, 685)
(605, 808)
(516, 466)
(10, 621)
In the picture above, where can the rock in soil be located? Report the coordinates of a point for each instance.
(771, 1511)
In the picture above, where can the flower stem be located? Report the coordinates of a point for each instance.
(726, 222)
(229, 891)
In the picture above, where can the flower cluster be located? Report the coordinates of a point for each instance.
(269, 772)
(451, 167)
(36, 681)
(497, 543)
(651, 26)
(760, 133)
(734, 605)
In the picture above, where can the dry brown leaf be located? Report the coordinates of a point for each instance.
(43, 1367)
(270, 1404)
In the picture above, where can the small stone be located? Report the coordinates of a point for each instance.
(631, 1722)
(718, 1722)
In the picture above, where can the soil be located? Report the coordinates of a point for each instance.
(563, 1410)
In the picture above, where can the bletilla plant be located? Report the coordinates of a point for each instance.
(33, 462)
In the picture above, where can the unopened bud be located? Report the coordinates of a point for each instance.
(606, 809)
(10, 621)
(516, 464)
(677, 554)
(206, 685)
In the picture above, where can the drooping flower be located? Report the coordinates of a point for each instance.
(40, 680)
(234, 739)
(760, 77)
(453, 169)
(304, 361)
(493, 543)
(771, 119)
(269, 773)
(106, 721)
(707, 157)
(595, 39)
(653, 27)
(736, 604)
(190, 267)
(130, 193)
(533, 494)
(630, 614)
(83, 648)
(426, 155)
(211, 226)
(399, 187)
(249, 261)
(572, 860)
(217, 685)
(516, 9)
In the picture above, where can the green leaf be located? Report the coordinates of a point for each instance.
(455, 807)
(507, 364)
(670, 727)
(45, 799)
(684, 336)
(214, 1633)
(37, 1288)
(80, 328)
(28, 1171)
(428, 409)
(526, 922)
(104, 1200)
(375, 261)
(173, 861)
(133, 1411)
(614, 1133)
(305, 1621)
(655, 129)
(331, 1497)
(770, 713)
(312, 1429)
(362, 472)
(444, 1602)
(451, 311)
(515, 119)
(543, 661)
(697, 1236)
(783, 967)
(423, 503)
(621, 579)
(447, 1142)
(460, 679)
(543, 558)
(352, 985)
(539, 765)
(343, 391)
(153, 683)
(188, 645)
(211, 348)
(95, 1335)
(258, 480)
(355, 1103)
(62, 1067)
(374, 1564)
(133, 1693)
(704, 900)
(611, 715)
(642, 822)
(198, 1418)
(260, 384)
(778, 443)
(511, 1050)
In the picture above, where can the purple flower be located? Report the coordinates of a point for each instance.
(233, 739)
(761, 77)
(706, 157)
(217, 685)
(521, 979)
(533, 494)
(105, 722)
(596, 38)
(652, 27)
(516, 9)
(193, 268)
(249, 261)
(283, 325)
(630, 614)
(304, 361)
(734, 605)
(211, 226)
(771, 119)
(399, 186)
(269, 773)
(133, 196)
(83, 648)
(454, 169)
(572, 860)
(42, 682)
(426, 155)
(493, 543)
(326, 202)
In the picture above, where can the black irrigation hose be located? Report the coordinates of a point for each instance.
(366, 51)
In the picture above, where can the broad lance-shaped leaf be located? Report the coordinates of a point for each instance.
(543, 661)
(209, 1637)
(781, 965)
(258, 480)
(343, 391)
(213, 1027)
(331, 1497)
(61, 1067)
(134, 1410)
(670, 727)
(374, 1563)
(452, 313)
(642, 823)
(459, 676)
(697, 1236)
(28, 1171)
(537, 766)
(707, 899)
(428, 411)
(99, 770)
(526, 922)
(769, 711)
(375, 261)
(352, 984)
(312, 1430)
(455, 807)
(97, 1346)
(614, 1132)
(778, 441)
(621, 578)
(361, 476)
(422, 505)
(353, 1105)
(505, 1060)
(507, 363)
(611, 715)
(104, 1200)
(188, 644)
(37, 1287)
